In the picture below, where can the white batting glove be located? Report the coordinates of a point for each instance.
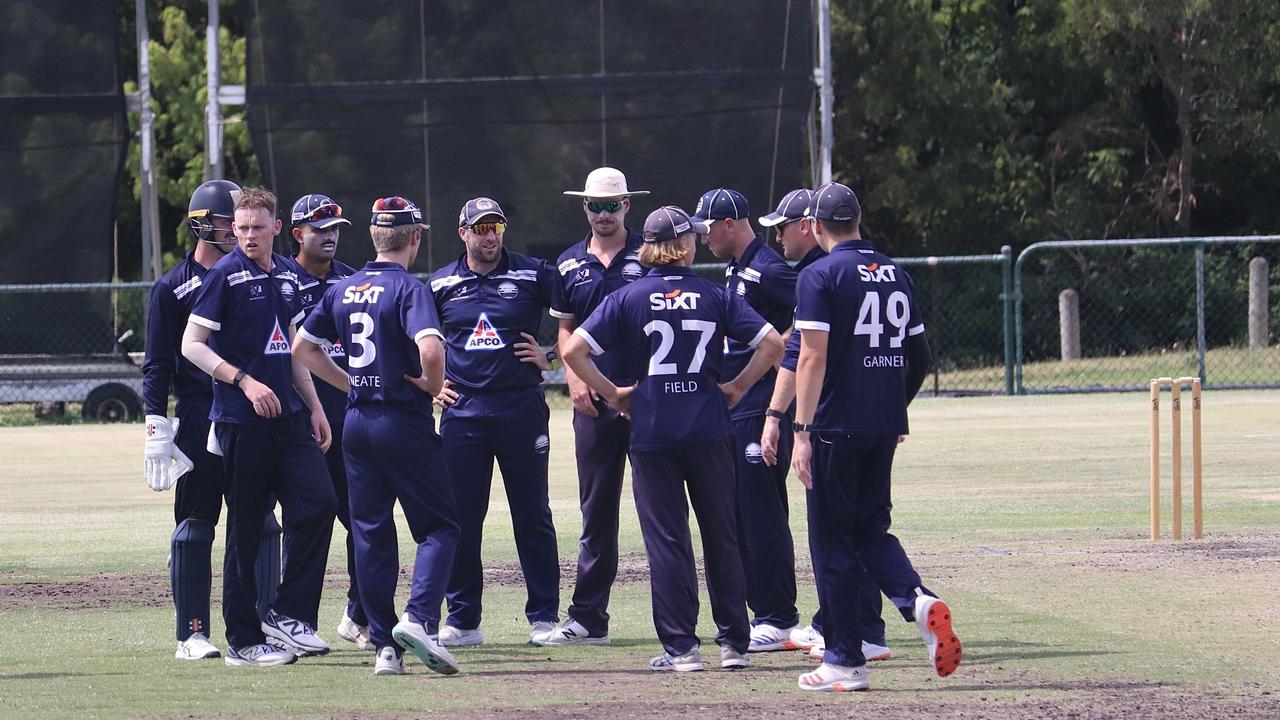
(163, 461)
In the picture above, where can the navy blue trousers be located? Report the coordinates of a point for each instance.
(764, 533)
(280, 459)
(511, 427)
(600, 446)
(659, 479)
(335, 461)
(396, 455)
(198, 493)
(849, 519)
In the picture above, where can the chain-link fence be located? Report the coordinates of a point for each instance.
(1110, 315)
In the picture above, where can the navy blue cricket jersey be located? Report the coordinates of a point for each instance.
(669, 328)
(172, 298)
(791, 353)
(483, 316)
(866, 304)
(379, 314)
(310, 290)
(249, 311)
(587, 282)
(768, 284)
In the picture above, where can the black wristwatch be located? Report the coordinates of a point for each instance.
(239, 376)
(551, 355)
(775, 414)
(802, 427)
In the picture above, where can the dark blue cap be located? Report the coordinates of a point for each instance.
(477, 208)
(318, 211)
(668, 223)
(792, 207)
(720, 204)
(395, 210)
(836, 202)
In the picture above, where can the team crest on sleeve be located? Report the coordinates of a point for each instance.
(484, 336)
(632, 271)
(278, 343)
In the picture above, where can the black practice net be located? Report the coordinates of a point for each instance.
(63, 134)
(444, 100)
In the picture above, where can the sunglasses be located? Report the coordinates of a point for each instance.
(324, 212)
(792, 221)
(612, 206)
(391, 204)
(496, 228)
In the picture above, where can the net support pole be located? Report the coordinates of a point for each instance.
(150, 209)
(212, 110)
(826, 91)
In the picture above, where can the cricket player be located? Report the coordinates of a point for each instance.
(316, 221)
(605, 260)
(756, 273)
(863, 357)
(798, 244)
(175, 446)
(387, 320)
(271, 431)
(668, 326)
(490, 302)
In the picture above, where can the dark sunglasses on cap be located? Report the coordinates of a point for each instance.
(392, 204)
(324, 212)
(612, 206)
(496, 228)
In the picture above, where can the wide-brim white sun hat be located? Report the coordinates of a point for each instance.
(605, 182)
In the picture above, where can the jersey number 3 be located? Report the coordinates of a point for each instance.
(896, 311)
(361, 338)
(658, 364)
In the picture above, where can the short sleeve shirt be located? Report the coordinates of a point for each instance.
(310, 290)
(250, 311)
(587, 282)
(483, 316)
(791, 353)
(669, 328)
(378, 313)
(768, 284)
(865, 303)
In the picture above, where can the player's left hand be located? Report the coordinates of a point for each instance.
(802, 460)
(320, 431)
(447, 397)
(529, 351)
(621, 400)
(163, 462)
(769, 441)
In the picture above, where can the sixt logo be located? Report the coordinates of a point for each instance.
(675, 300)
(877, 274)
(485, 336)
(366, 293)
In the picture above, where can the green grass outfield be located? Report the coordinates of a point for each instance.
(1028, 514)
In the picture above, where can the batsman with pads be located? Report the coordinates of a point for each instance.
(174, 449)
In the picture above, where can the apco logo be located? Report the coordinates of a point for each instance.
(632, 271)
(675, 300)
(278, 343)
(508, 290)
(485, 336)
(875, 273)
(754, 453)
(362, 294)
(336, 350)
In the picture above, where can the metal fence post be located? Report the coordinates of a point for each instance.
(1200, 338)
(1006, 300)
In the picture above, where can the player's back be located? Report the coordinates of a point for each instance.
(378, 313)
(670, 326)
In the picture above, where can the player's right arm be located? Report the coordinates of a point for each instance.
(784, 392)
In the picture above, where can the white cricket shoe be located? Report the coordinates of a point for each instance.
(731, 659)
(804, 638)
(293, 634)
(688, 662)
(458, 637)
(835, 678)
(571, 632)
(768, 638)
(540, 631)
(352, 632)
(196, 647)
(412, 636)
(873, 652)
(388, 662)
(933, 619)
(261, 655)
